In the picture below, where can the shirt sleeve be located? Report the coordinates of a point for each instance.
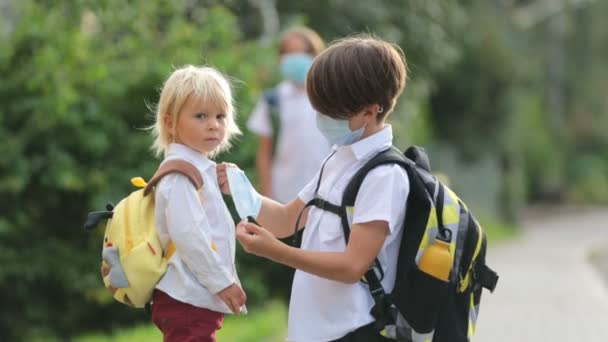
(187, 223)
(308, 192)
(382, 196)
(259, 122)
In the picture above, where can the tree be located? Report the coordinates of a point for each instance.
(78, 81)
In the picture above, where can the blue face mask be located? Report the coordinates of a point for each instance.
(246, 200)
(294, 67)
(337, 132)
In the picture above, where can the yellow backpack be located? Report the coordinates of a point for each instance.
(133, 260)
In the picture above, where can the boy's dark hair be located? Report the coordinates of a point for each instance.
(355, 72)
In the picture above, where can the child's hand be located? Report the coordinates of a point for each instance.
(258, 240)
(222, 176)
(234, 297)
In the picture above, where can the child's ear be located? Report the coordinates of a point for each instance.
(377, 108)
(169, 123)
(373, 110)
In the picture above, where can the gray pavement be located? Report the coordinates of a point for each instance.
(548, 288)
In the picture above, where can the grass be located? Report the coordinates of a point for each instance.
(146, 332)
(266, 324)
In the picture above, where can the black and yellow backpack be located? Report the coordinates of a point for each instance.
(423, 307)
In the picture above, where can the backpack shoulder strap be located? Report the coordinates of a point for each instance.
(390, 156)
(176, 166)
(271, 97)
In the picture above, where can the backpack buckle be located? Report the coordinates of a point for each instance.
(320, 203)
(377, 291)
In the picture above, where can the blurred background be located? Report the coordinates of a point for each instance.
(508, 97)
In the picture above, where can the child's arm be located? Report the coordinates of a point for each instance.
(366, 240)
(234, 297)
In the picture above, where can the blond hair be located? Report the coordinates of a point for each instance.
(202, 81)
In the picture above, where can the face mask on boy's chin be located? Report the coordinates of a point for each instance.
(295, 66)
(337, 132)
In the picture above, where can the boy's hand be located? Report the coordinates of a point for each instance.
(258, 240)
(234, 297)
(222, 176)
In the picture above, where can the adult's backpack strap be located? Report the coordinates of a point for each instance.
(176, 166)
(271, 97)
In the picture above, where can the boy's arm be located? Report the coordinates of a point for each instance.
(365, 242)
(372, 214)
(280, 219)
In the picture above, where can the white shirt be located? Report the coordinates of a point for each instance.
(300, 146)
(323, 309)
(195, 272)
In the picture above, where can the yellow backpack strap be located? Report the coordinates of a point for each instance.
(176, 165)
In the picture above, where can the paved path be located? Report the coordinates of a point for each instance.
(548, 289)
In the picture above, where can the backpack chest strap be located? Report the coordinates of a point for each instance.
(328, 206)
(335, 209)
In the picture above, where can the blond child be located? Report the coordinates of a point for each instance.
(195, 120)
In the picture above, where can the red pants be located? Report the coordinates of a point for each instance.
(184, 322)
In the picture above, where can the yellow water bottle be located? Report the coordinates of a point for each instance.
(437, 260)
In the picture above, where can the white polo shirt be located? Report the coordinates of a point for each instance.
(321, 309)
(300, 146)
(196, 272)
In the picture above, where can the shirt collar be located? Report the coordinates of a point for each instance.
(186, 153)
(374, 143)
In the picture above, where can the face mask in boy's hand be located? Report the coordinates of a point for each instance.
(246, 200)
(337, 132)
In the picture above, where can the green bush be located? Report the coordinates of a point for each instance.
(588, 179)
(78, 79)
